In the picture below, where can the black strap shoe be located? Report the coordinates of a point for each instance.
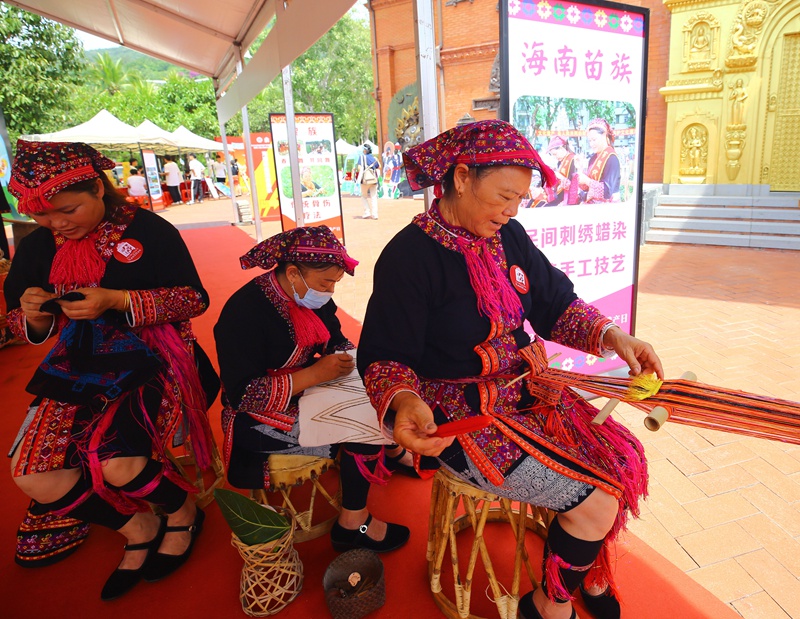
(527, 609)
(162, 565)
(121, 581)
(347, 539)
(603, 606)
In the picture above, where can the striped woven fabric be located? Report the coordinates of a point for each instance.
(693, 403)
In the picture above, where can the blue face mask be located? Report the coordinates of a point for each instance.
(314, 299)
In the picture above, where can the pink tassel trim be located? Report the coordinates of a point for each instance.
(556, 589)
(380, 476)
(496, 298)
(180, 362)
(309, 329)
(78, 264)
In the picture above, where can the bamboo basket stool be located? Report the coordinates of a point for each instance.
(272, 575)
(480, 507)
(205, 493)
(288, 471)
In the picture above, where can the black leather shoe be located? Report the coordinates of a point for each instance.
(162, 565)
(347, 539)
(603, 606)
(527, 609)
(121, 581)
(393, 464)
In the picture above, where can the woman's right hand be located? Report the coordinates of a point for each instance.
(30, 302)
(414, 425)
(334, 366)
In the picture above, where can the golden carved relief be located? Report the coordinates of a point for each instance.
(737, 97)
(694, 150)
(745, 33)
(700, 42)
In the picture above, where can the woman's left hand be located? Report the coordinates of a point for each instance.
(639, 355)
(96, 303)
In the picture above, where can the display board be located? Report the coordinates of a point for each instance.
(153, 179)
(565, 66)
(319, 176)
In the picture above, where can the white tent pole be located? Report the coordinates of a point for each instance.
(426, 74)
(294, 160)
(248, 152)
(236, 218)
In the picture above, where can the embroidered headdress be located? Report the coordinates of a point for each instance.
(480, 144)
(556, 142)
(311, 244)
(602, 125)
(42, 169)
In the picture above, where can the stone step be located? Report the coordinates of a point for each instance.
(711, 212)
(778, 202)
(739, 226)
(727, 240)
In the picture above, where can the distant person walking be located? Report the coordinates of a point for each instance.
(197, 173)
(220, 173)
(370, 170)
(173, 177)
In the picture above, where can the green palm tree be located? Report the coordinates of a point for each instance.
(108, 74)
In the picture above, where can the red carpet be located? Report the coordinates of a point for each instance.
(208, 586)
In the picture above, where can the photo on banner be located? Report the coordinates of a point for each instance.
(153, 180)
(319, 175)
(573, 82)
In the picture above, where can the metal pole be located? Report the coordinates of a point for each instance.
(426, 75)
(294, 160)
(248, 153)
(236, 217)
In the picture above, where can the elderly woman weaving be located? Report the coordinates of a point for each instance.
(443, 339)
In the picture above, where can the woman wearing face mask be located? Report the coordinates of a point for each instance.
(277, 336)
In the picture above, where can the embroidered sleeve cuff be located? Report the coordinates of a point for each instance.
(19, 327)
(384, 380)
(267, 394)
(581, 328)
(161, 305)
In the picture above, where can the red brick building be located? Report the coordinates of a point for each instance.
(467, 39)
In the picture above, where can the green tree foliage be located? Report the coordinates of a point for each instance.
(334, 75)
(108, 74)
(40, 64)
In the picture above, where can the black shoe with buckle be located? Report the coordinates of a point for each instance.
(393, 464)
(162, 565)
(347, 539)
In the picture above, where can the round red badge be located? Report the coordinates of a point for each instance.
(519, 280)
(128, 250)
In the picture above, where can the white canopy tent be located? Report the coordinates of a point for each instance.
(344, 148)
(103, 131)
(151, 133)
(191, 141)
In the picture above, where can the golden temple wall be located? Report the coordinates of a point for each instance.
(733, 93)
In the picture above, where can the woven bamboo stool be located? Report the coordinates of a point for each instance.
(480, 507)
(216, 475)
(288, 471)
